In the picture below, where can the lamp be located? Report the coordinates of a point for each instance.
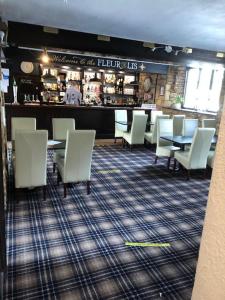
(155, 48)
(168, 49)
(44, 57)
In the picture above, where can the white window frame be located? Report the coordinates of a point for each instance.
(203, 90)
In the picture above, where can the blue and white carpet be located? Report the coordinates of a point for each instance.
(74, 248)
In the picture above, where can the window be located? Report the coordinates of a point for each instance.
(203, 88)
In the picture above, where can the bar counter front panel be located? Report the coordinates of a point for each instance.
(100, 118)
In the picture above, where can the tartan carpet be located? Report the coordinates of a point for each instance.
(74, 248)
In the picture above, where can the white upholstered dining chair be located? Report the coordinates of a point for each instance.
(151, 137)
(178, 124)
(60, 127)
(59, 130)
(137, 132)
(154, 114)
(18, 123)
(75, 166)
(209, 123)
(189, 126)
(31, 159)
(120, 115)
(138, 112)
(165, 148)
(196, 157)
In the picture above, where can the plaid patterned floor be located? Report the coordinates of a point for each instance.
(74, 248)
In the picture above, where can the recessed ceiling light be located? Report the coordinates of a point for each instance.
(78, 68)
(65, 67)
(148, 45)
(89, 70)
(121, 72)
(110, 71)
(101, 70)
(50, 30)
(220, 54)
(189, 50)
(104, 38)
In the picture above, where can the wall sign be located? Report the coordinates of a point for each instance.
(108, 63)
(88, 61)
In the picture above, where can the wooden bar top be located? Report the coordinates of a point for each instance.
(71, 106)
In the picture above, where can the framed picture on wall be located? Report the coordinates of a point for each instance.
(162, 90)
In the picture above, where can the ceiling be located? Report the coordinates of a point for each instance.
(184, 23)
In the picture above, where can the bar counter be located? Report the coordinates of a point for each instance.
(100, 118)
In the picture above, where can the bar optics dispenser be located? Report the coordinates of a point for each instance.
(15, 90)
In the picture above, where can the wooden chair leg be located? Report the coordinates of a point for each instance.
(44, 192)
(156, 158)
(54, 167)
(65, 189)
(88, 187)
(168, 163)
(114, 140)
(123, 142)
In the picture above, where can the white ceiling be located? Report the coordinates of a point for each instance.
(185, 23)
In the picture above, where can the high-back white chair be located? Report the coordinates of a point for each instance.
(164, 148)
(154, 114)
(209, 123)
(31, 158)
(189, 126)
(76, 165)
(196, 157)
(178, 124)
(60, 127)
(22, 124)
(151, 137)
(137, 132)
(138, 112)
(120, 115)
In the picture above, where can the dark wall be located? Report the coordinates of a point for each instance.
(21, 34)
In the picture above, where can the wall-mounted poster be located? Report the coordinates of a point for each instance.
(4, 82)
